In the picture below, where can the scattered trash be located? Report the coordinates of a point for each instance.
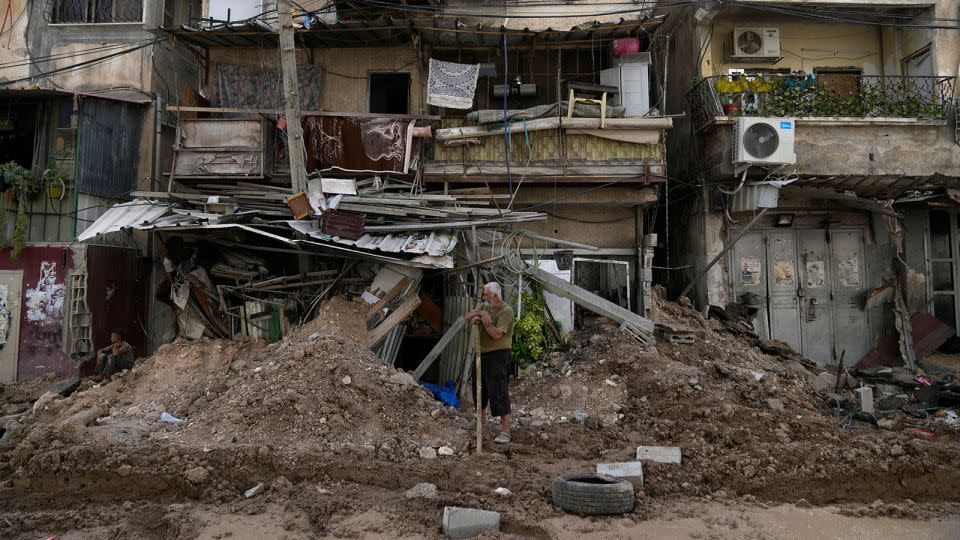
(468, 522)
(254, 491)
(170, 419)
(631, 471)
(580, 416)
(591, 494)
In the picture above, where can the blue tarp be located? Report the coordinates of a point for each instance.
(447, 393)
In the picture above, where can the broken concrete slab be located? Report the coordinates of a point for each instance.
(659, 454)
(63, 387)
(468, 522)
(631, 471)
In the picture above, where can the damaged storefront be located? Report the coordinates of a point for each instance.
(410, 203)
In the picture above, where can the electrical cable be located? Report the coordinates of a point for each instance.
(59, 56)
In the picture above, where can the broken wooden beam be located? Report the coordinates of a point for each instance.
(594, 303)
(434, 353)
(397, 316)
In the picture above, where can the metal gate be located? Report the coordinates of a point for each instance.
(809, 286)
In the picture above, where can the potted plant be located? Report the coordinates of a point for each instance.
(20, 183)
(53, 184)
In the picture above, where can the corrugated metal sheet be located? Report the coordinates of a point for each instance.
(109, 147)
(125, 215)
(434, 243)
(391, 345)
(453, 357)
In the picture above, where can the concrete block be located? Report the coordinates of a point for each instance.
(468, 522)
(631, 471)
(865, 399)
(660, 454)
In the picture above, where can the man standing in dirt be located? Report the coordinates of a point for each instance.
(496, 340)
(115, 357)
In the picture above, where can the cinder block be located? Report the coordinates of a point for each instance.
(865, 399)
(660, 454)
(468, 522)
(631, 471)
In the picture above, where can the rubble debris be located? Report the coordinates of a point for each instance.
(659, 454)
(422, 490)
(254, 491)
(468, 522)
(631, 471)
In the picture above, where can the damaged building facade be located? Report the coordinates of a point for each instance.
(433, 145)
(82, 86)
(819, 158)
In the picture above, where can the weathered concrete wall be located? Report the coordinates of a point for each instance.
(14, 41)
(854, 147)
(346, 72)
(838, 45)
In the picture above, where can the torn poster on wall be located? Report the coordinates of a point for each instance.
(749, 271)
(850, 272)
(355, 144)
(815, 274)
(45, 308)
(783, 273)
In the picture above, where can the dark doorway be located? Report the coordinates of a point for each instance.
(390, 93)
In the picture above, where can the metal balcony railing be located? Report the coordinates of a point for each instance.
(851, 95)
(93, 11)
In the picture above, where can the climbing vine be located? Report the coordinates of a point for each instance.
(528, 334)
(20, 183)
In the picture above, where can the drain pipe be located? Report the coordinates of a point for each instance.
(726, 248)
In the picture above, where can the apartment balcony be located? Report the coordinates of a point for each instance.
(833, 96)
(845, 125)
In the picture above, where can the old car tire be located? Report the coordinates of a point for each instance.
(589, 494)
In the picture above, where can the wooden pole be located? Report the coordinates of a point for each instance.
(291, 93)
(481, 416)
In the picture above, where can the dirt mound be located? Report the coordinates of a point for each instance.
(744, 420)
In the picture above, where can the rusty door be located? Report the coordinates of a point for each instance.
(816, 309)
(783, 287)
(851, 331)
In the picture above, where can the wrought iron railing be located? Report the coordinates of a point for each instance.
(93, 11)
(864, 96)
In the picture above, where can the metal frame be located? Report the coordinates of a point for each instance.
(954, 260)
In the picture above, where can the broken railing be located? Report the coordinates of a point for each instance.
(847, 95)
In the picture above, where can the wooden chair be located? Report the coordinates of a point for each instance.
(598, 96)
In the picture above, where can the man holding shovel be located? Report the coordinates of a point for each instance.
(496, 339)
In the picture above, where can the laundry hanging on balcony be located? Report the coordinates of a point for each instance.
(452, 85)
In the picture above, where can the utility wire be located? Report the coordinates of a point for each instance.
(59, 56)
(83, 64)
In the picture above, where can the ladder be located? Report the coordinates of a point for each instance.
(80, 318)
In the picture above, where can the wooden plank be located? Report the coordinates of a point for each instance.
(388, 297)
(594, 303)
(291, 93)
(375, 336)
(434, 353)
(343, 114)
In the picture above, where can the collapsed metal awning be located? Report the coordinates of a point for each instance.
(436, 31)
(881, 186)
(429, 248)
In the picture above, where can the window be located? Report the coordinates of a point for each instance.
(390, 93)
(95, 11)
(842, 82)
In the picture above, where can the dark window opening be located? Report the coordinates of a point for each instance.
(95, 11)
(18, 126)
(390, 93)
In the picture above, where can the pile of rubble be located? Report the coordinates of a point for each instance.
(317, 418)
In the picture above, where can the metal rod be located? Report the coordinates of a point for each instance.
(709, 265)
(567, 243)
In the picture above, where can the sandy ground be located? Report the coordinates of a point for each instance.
(334, 439)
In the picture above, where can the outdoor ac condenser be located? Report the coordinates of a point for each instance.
(756, 43)
(765, 141)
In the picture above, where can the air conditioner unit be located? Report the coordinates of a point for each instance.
(762, 141)
(756, 43)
